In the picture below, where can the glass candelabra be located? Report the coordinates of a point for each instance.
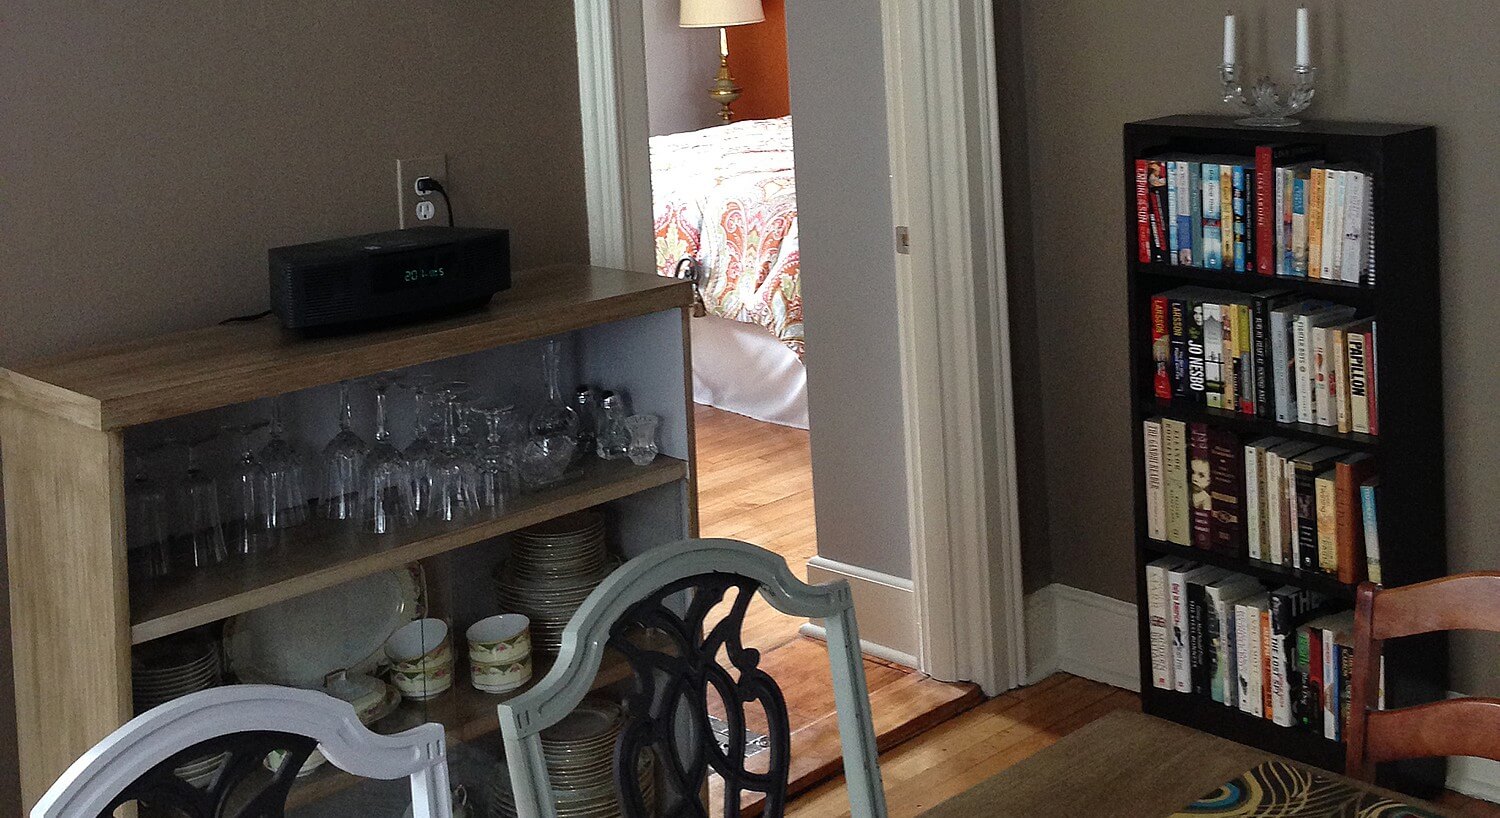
(1265, 101)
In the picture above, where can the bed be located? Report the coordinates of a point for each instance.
(725, 202)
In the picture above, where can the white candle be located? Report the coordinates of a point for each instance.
(1229, 39)
(1304, 50)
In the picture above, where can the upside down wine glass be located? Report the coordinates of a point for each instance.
(198, 511)
(249, 497)
(286, 475)
(147, 513)
(388, 483)
(455, 475)
(497, 478)
(344, 465)
(422, 450)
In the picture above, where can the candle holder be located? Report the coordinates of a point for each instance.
(1264, 100)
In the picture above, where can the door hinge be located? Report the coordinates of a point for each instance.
(903, 240)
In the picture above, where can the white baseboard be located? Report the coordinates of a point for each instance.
(885, 606)
(1093, 636)
(1083, 633)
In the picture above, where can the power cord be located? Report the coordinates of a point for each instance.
(427, 184)
(245, 319)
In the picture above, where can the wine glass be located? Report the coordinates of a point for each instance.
(497, 479)
(344, 465)
(202, 538)
(422, 450)
(286, 475)
(455, 474)
(388, 503)
(147, 512)
(249, 493)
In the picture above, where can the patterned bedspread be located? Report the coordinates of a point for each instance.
(726, 197)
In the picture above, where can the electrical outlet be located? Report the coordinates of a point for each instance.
(417, 209)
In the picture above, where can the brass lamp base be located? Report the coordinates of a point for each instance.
(724, 90)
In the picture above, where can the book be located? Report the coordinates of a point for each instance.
(1280, 518)
(1200, 493)
(1359, 395)
(1226, 473)
(1307, 707)
(1282, 222)
(1338, 342)
(1196, 362)
(1250, 216)
(1288, 222)
(1174, 439)
(1213, 239)
(1372, 381)
(1330, 238)
(1184, 200)
(1195, 208)
(1247, 639)
(1298, 266)
(1263, 347)
(1265, 658)
(1256, 516)
(1213, 355)
(1267, 157)
(1156, 509)
(1226, 215)
(1316, 192)
(1289, 607)
(1306, 364)
(1178, 308)
(1177, 608)
(1354, 226)
(1161, 348)
(1157, 596)
(1220, 595)
(1238, 180)
(1337, 631)
(1350, 474)
(1306, 468)
(1322, 375)
(1156, 183)
(1173, 230)
(1369, 495)
(1142, 211)
(1200, 657)
(1325, 500)
(1337, 200)
(1244, 370)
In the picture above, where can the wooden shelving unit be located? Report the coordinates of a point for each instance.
(66, 424)
(1409, 448)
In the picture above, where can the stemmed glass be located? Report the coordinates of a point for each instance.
(388, 501)
(422, 451)
(147, 512)
(344, 465)
(198, 510)
(286, 476)
(455, 474)
(249, 496)
(497, 475)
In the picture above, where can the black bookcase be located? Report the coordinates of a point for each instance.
(1409, 448)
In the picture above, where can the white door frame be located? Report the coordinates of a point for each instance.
(954, 330)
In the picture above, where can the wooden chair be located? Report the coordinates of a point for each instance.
(1456, 727)
(671, 686)
(136, 762)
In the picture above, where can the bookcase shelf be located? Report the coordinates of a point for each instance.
(1405, 297)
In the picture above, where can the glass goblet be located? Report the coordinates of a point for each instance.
(147, 511)
(388, 503)
(455, 474)
(344, 465)
(202, 530)
(423, 448)
(286, 475)
(249, 495)
(497, 462)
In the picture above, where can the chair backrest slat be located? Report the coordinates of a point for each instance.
(1460, 727)
(1466, 602)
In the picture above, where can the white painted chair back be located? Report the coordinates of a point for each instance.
(523, 718)
(145, 742)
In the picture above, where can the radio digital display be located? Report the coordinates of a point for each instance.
(406, 271)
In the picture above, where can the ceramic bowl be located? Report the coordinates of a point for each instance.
(500, 639)
(502, 677)
(276, 758)
(421, 684)
(420, 645)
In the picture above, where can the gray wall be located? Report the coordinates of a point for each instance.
(1088, 66)
(848, 285)
(680, 66)
(152, 152)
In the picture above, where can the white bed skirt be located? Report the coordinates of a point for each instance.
(742, 368)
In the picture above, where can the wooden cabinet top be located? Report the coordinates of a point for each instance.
(137, 382)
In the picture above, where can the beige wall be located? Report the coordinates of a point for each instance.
(1091, 65)
(151, 152)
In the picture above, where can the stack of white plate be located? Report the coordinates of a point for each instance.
(168, 669)
(580, 755)
(552, 569)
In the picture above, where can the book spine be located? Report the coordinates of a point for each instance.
(1372, 369)
(1330, 696)
(1196, 365)
(1198, 638)
(1240, 235)
(1173, 234)
(1175, 462)
(1300, 677)
(1213, 240)
(1156, 514)
(1226, 216)
(1266, 706)
(1359, 395)
(1307, 518)
(1354, 227)
(1265, 200)
(1369, 500)
(1338, 346)
(1229, 351)
(1213, 356)
(1346, 684)
(1254, 514)
(1142, 213)
(1278, 366)
(1161, 348)
(1330, 237)
(1315, 678)
(1369, 268)
(1156, 183)
(1229, 656)
(1288, 251)
(1322, 370)
(1247, 645)
(1251, 229)
(1184, 216)
(1299, 226)
(1338, 201)
(1226, 492)
(1195, 210)
(1315, 185)
(1271, 484)
(1325, 496)
(1304, 374)
(1291, 552)
(1260, 355)
(1156, 595)
(1349, 530)
(1202, 499)
(1177, 329)
(1245, 374)
(1182, 679)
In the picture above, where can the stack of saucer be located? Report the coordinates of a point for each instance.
(580, 755)
(170, 668)
(552, 569)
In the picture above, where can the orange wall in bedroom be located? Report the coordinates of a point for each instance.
(757, 60)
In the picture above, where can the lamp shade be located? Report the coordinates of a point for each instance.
(719, 13)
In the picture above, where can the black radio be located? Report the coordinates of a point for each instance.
(381, 278)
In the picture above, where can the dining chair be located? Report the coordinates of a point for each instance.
(1454, 727)
(671, 591)
(136, 763)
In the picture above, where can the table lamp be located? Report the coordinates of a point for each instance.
(721, 14)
